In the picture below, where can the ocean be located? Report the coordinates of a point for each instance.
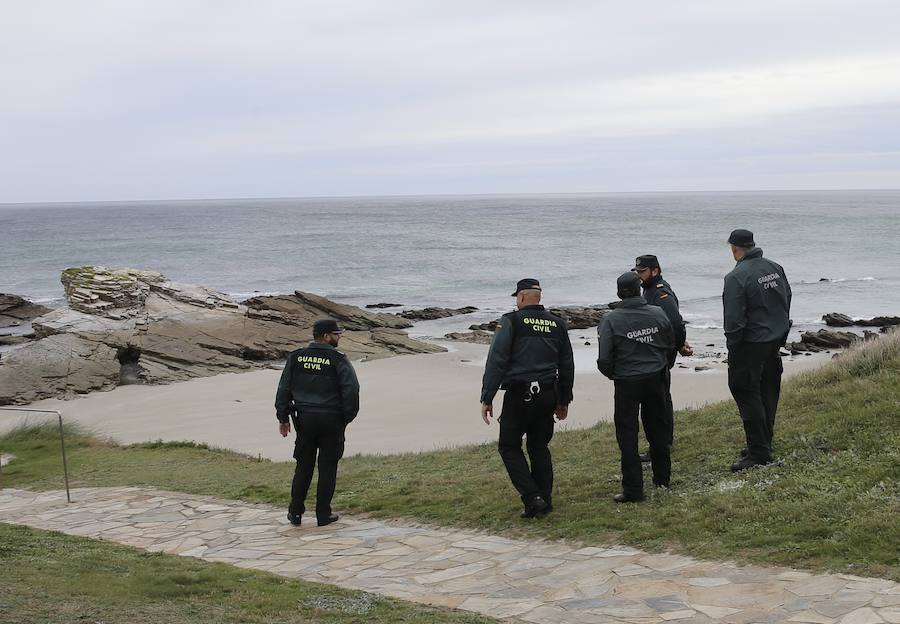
(839, 248)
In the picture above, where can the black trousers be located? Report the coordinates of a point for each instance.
(754, 378)
(646, 397)
(534, 420)
(669, 411)
(319, 435)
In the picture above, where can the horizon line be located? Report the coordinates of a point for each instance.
(413, 195)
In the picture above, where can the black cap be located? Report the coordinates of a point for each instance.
(741, 238)
(529, 283)
(628, 282)
(648, 261)
(326, 326)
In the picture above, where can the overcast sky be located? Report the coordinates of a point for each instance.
(180, 99)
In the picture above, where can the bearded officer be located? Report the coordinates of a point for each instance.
(657, 291)
(757, 305)
(319, 391)
(634, 344)
(531, 359)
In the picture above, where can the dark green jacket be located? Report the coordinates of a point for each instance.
(757, 301)
(634, 340)
(530, 344)
(317, 379)
(658, 292)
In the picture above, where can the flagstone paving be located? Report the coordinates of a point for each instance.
(529, 581)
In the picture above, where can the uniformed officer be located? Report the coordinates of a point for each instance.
(531, 358)
(319, 391)
(757, 302)
(658, 292)
(634, 344)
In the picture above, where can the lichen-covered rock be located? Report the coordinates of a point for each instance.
(116, 293)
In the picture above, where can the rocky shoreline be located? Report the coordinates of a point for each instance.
(126, 326)
(132, 326)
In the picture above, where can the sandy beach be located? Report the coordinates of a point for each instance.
(409, 404)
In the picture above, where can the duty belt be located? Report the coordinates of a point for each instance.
(530, 388)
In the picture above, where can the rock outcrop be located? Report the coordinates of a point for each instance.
(381, 306)
(140, 326)
(491, 326)
(835, 319)
(477, 336)
(576, 317)
(15, 309)
(822, 340)
(430, 314)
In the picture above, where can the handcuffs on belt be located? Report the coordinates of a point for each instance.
(534, 388)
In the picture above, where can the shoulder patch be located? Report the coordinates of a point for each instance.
(664, 296)
(660, 285)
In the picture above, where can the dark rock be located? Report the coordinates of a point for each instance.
(576, 317)
(478, 336)
(579, 317)
(824, 279)
(835, 319)
(587, 343)
(880, 321)
(702, 368)
(15, 309)
(710, 345)
(430, 314)
(828, 339)
(384, 305)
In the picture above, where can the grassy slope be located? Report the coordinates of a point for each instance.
(831, 503)
(49, 577)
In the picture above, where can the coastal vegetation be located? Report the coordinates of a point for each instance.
(831, 501)
(52, 577)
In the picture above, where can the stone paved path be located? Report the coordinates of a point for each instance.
(545, 582)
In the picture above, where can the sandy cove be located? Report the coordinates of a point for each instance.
(410, 403)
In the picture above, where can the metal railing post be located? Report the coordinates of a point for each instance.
(62, 441)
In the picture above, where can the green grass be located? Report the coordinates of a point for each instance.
(50, 577)
(832, 502)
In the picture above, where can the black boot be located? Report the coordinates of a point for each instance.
(327, 519)
(535, 508)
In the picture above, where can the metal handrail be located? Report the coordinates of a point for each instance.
(62, 440)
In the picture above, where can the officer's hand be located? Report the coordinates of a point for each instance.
(686, 350)
(561, 411)
(487, 412)
(284, 429)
